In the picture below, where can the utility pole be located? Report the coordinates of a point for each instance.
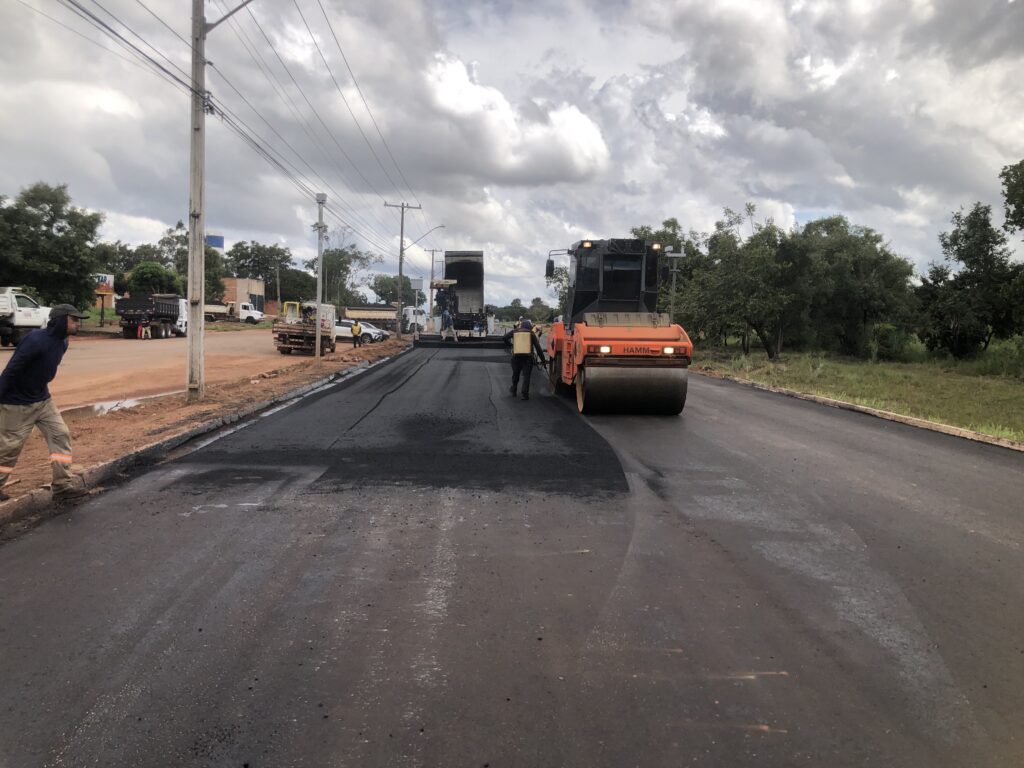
(430, 288)
(321, 200)
(196, 385)
(401, 258)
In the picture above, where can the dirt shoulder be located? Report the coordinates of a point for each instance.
(97, 439)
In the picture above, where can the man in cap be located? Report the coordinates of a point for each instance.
(25, 401)
(524, 343)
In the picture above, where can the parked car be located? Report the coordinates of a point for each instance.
(343, 332)
(379, 334)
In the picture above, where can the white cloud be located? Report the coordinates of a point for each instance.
(892, 113)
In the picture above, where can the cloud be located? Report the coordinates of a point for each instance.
(523, 126)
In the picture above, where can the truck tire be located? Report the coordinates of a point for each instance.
(251, 320)
(284, 350)
(15, 337)
(5, 341)
(128, 332)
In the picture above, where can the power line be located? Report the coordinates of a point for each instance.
(282, 93)
(88, 39)
(341, 93)
(369, 111)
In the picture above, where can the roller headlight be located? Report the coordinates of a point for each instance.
(670, 350)
(604, 349)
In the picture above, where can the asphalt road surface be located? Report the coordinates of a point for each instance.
(415, 569)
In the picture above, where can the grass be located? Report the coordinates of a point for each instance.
(959, 393)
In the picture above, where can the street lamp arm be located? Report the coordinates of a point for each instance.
(410, 245)
(226, 16)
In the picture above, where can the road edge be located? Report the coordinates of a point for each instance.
(912, 421)
(39, 499)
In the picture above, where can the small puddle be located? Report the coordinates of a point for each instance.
(100, 409)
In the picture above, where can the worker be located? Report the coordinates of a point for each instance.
(25, 401)
(524, 343)
(357, 334)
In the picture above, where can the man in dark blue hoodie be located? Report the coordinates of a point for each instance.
(25, 401)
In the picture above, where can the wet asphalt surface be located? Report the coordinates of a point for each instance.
(415, 569)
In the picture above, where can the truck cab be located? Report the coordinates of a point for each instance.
(19, 314)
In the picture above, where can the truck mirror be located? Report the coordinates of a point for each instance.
(549, 268)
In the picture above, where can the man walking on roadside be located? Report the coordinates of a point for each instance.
(25, 401)
(524, 343)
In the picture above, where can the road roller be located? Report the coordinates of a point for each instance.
(612, 347)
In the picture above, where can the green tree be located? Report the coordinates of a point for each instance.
(1012, 177)
(857, 283)
(173, 249)
(152, 277)
(559, 285)
(973, 300)
(539, 311)
(386, 288)
(343, 268)
(296, 285)
(49, 244)
(258, 261)
(213, 276)
(114, 258)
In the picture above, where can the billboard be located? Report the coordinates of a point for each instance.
(104, 283)
(216, 241)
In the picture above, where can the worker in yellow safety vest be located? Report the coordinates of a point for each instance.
(357, 334)
(524, 343)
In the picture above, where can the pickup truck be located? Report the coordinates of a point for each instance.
(19, 314)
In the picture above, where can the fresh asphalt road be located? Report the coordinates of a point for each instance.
(414, 569)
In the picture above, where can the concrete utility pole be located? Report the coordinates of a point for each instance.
(401, 258)
(321, 200)
(196, 385)
(430, 288)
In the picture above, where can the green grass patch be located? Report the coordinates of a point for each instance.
(957, 393)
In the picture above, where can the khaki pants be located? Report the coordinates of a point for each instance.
(16, 422)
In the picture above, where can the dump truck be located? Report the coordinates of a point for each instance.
(612, 347)
(465, 299)
(295, 330)
(166, 314)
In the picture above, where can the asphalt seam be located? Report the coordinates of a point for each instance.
(41, 498)
(911, 421)
(383, 397)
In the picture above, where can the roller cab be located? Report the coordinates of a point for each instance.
(612, 350)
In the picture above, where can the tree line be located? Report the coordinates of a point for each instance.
(836, 286)
(52, 249)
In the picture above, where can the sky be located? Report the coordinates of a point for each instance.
(521, 127)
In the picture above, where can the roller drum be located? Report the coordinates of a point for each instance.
(621, 389)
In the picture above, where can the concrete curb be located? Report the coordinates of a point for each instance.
(41, 498)
(912, 421)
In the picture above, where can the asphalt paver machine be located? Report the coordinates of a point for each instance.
(612, 347)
